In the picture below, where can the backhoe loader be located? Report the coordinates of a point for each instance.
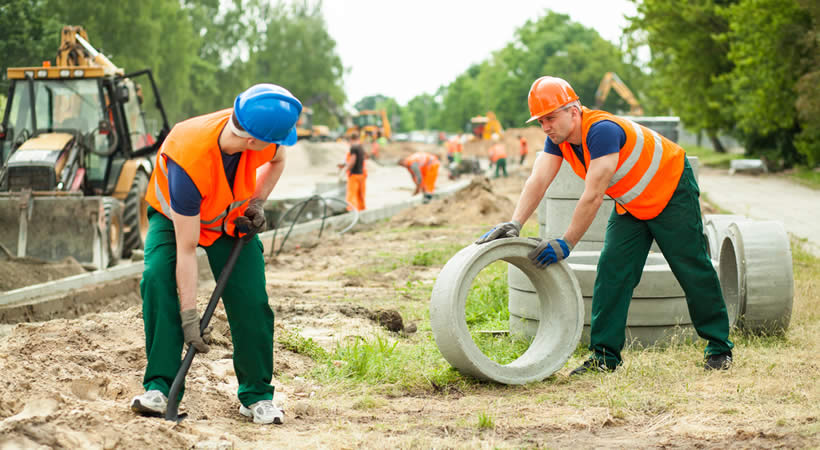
(77, 145)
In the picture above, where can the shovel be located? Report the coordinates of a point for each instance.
(171, 412)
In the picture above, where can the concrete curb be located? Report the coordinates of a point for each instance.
(560, 324)
(53, 290)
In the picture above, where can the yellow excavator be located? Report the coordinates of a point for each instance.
(77, 145)
(370, 123)
(611, 80)
(483, 127)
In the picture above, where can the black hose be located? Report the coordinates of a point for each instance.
(303, 204)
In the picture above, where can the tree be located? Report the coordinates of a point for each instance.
(297, 52)
(769, 55)
(689, 60)
(29, 34)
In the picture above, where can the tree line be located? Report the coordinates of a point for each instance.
(747, 68)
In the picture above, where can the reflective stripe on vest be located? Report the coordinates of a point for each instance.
(647, 172)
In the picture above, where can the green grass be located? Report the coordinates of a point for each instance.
(485, 421)
(710, 158)
(807, 177)
(435, 255)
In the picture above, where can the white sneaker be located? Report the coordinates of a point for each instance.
(152, 402)
(264, 412)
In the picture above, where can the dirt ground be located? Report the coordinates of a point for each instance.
(67, 383)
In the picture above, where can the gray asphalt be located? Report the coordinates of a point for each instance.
(767, 197)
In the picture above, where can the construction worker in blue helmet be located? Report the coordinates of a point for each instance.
(212, 176)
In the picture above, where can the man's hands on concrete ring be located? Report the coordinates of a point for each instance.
(190, 331)
(254, 219)
(500, 231)
(549, 251)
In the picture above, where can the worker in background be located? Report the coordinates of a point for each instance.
(214, 173)
(423, 167)
(523, 149)
(450, 145)
(356, 174)
(498, 155)
(656, 198)
(459, 149)
(375, 148)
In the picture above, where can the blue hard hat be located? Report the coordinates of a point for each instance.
(268, 113)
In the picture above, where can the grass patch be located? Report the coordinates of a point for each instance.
(807, 177)
(485, 421)
(437, 255)
(296, 343)
(488, 316)
(710, 158)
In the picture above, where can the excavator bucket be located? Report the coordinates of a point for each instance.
(50, 226)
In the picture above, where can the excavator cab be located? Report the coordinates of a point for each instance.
(77, 144)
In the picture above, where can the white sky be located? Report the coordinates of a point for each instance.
(404, 48)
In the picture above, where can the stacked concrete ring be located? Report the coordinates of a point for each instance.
(658, 313)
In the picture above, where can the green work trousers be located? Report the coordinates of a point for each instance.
(678, 230)
(501, 166)
(245, 300)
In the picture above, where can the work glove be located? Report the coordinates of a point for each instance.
(190, 331)
(254, 219)
(548, 252)
(500, 231)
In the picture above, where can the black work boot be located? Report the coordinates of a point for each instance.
(591, 365)
(722, 361)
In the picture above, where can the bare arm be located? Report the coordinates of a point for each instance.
(543, 172)
(598, 176)
(186, 230)
(268, 175)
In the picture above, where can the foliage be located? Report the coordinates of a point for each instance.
(202, 52)
(689, 56)
(749, 67)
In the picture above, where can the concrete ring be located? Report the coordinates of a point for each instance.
(756, 276)
(657, 280)
(662, 311)
(560, 324)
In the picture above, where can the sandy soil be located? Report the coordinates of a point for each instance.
(67, 382)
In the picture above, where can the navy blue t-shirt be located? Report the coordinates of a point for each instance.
(603, 138)
(185, 197)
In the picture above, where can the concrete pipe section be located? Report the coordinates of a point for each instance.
(657, 313)
(756, 274)
(560, 320)
(715, 228)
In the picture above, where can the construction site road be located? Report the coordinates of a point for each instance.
(766, 197)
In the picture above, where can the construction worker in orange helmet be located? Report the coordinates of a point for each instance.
(213, 175)
(423, 167)
(656, 198)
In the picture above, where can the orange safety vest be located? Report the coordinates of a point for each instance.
(523, 150)
(423, 159)
(497, 152)
(194, 146)
(649, 166)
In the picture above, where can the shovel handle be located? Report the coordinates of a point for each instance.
(173, 395)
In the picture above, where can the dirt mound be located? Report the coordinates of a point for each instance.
(19, 272)
(477, 203)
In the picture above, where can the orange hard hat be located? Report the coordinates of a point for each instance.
(548, 94)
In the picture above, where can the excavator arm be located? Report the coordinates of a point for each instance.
(612, 81)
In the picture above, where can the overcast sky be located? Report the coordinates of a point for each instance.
(404, 48)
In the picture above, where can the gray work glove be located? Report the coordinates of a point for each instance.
(500, 231)
(254, 219)
(549, 251)
(190, 331)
